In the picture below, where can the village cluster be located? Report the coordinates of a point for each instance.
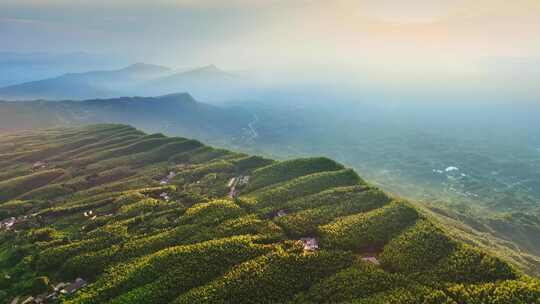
(165, 181)
(58, 290)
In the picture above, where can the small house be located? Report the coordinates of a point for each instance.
(39, 165)
(243, 180)
(371, 259)
(310, 243)
(8, 223)
(60, 286)
(74, 287)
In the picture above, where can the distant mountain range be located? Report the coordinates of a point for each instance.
(140, 78)
(16, 68)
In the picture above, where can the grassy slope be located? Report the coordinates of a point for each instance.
(202, 247)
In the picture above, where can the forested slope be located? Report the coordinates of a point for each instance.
(150, 219)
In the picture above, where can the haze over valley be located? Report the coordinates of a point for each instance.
(391, 150)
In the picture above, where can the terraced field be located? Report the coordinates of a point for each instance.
(151, 219)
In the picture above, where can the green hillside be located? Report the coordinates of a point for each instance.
(491, 202)
(151, 219)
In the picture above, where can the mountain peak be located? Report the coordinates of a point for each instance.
(207, 69)
(145, 67)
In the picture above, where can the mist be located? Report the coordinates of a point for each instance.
(452, 52)
(465, 70)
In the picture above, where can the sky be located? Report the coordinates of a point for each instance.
(418, 39)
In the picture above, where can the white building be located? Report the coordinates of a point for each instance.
(310, 244)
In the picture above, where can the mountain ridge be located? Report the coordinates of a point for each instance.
(179, 113)
(138, 77)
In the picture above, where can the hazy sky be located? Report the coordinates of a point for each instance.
(395, 36)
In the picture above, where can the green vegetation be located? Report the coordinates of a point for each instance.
(108, 209)
(287, 170)
(326, 206)
(15, 187)
(212, 213)
(358, 281)
(417, 249)
(178, 268)
(273, 278)
(275, 196)
(369, 231)
(467, 265)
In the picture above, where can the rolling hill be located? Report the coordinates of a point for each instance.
(127, 217)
